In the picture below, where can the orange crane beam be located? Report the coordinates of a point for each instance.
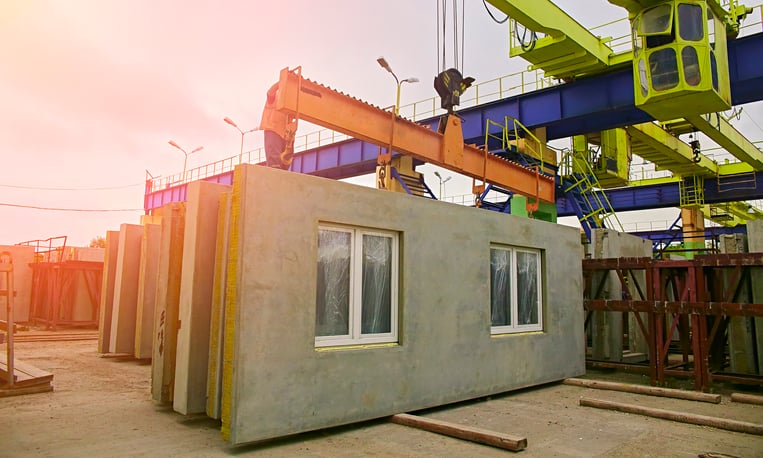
(312, 102)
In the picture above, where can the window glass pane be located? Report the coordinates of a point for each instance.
(527, 288)
(690, 22)
(332, 317)
(657, 19)
(691, 65)
(377, 285)
(643, 78)
(714, 70)
(500, 287)
(664, 69)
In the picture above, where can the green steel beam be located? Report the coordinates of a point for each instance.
(725, 135)
(568, 49)
(670, 153)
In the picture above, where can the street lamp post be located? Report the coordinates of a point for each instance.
(241, 151)
(383, 62)
(185, 160)
(442, 182)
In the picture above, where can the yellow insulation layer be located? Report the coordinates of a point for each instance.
(217, 305)
(231, 293)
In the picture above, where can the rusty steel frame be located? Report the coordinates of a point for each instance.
(693, 298)
(315, 103)
(54, 291)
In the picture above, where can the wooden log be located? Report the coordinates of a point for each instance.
(648, 390)
(481, 436)
(683, 417)
(747, 398)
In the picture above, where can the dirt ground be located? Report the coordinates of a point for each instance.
(102, 407)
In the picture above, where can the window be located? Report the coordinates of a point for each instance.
(664, 69)
(356, 297)
(690, 22)
(515, 290)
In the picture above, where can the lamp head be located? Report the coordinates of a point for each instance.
(437, 174)
(383, 62)
(172, 143)
(230, 121)
(196, 150)
(410, 80)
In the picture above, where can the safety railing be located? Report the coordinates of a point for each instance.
(47, 250)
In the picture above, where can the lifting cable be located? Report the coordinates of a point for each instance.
(457, 35)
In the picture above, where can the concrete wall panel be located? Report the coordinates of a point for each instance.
(217, 324)
(196, 285)
(167, 302)
(126, 289)
(107, 290)
(149, 268)
(22, 282)
(606, 327)
(276, 382)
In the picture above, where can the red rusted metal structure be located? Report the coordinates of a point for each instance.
(682, 310)
(65, 292)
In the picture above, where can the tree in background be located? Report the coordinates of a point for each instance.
(98, 242)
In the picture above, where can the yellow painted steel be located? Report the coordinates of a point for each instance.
(231, 295)
(725, 135)
(567, 49)
(576, 168)
(655, 144)
(680, 60)
(218, 306)
(611, 161)
(320, 105)
(731, 214)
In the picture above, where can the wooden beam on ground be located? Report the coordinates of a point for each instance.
(747, 398)
(682, 417)
(648, 390)
(18, 391)
(481, 436)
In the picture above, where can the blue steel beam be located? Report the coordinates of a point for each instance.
(727, 188)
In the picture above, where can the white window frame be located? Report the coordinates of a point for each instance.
(355, 337)
(513, 327)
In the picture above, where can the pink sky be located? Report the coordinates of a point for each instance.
(92, 90)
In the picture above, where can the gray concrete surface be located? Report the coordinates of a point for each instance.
(107, 291)
(281, 385)
(126, 289)
(755, 245)
(197, 277)
(606, 327)
(22, 282)
(167, 302)
(149, 269)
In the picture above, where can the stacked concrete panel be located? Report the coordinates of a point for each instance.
(217, 323)
(167, 302)
(22, 282)
(107, 290)
(124, 310)
(755, 244)
(607, 327)
(276, 382)
(147, 283)
(196, 288)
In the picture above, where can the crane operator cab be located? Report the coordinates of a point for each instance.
(680, 64)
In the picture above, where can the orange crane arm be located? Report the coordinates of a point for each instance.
(323, 106)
